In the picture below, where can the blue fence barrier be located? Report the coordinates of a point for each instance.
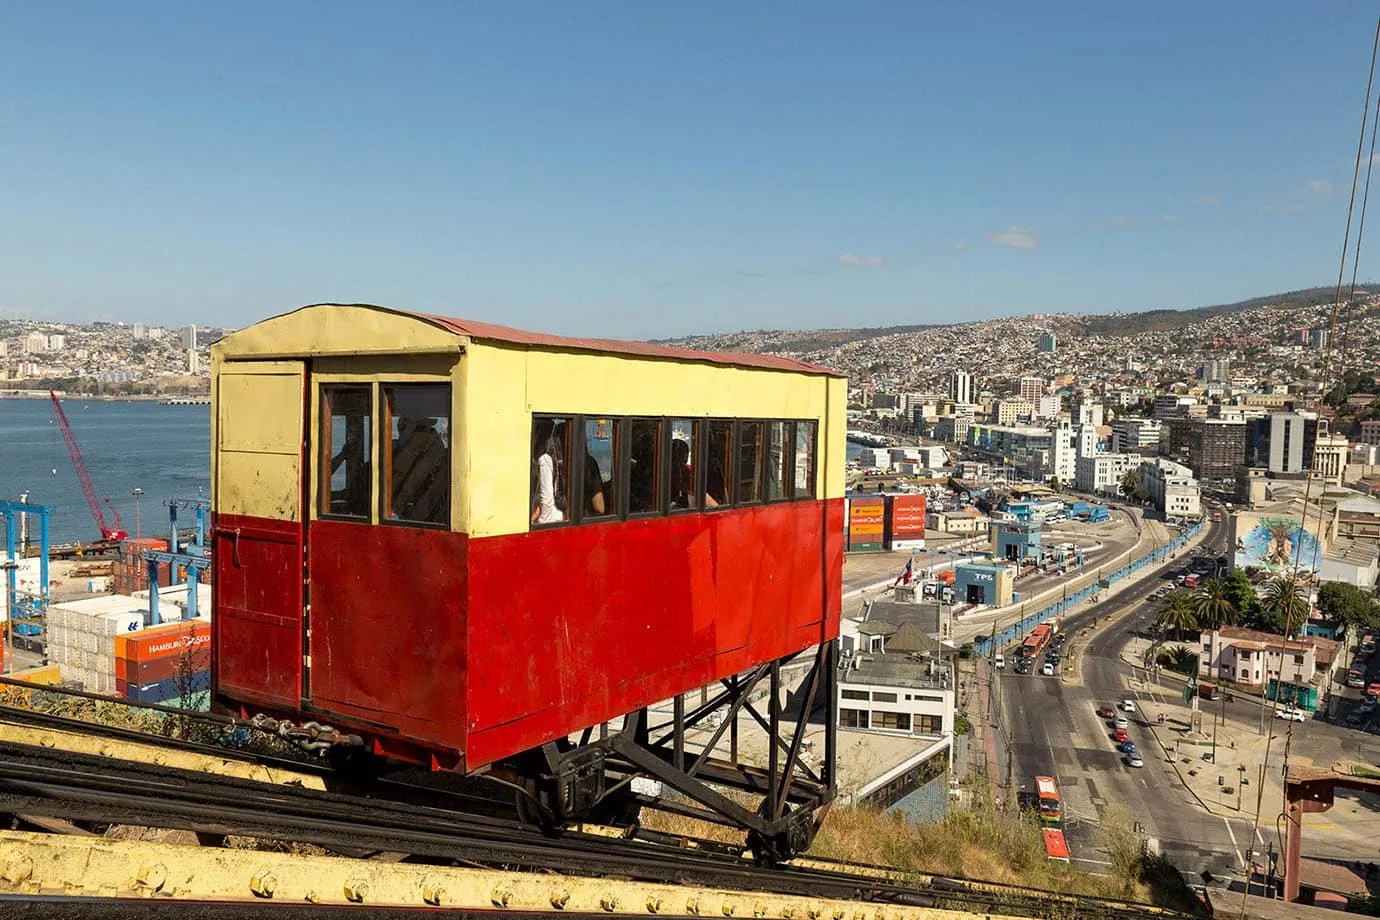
(1064, 604)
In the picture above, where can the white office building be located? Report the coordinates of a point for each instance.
(961, 387)
(1172, 488)
(1102, 473)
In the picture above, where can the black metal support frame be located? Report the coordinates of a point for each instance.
(789, 793)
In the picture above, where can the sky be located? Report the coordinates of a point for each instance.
(642, 170)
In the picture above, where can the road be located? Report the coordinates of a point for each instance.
(1054, 730)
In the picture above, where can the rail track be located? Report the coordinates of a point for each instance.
(428, 825)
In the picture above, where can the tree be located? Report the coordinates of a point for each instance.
(1177, 614)
(1130, 484)
(1179, 658)
(1241, 592)
(1349, 604)
(1288, 601)
(1212, 605)
(1055, 485)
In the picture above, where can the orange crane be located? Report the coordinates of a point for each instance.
(115, 531)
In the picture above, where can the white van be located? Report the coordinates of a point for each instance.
(1000, 662)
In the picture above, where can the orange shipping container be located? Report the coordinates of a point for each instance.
(168, 640)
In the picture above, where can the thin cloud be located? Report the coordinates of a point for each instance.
(746, 274)
(960, 246)
(1172, 218)
(1017, 237)
(1210, 201)
(1124, 220)
(1313, 192)
(849, 258)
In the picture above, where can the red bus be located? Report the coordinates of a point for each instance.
(1037, 640)
(1051, 806)
(1056, 847)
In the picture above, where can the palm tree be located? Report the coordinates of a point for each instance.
(1130, 483)
(1212, 605)
(1288, 599)
(1177, 614)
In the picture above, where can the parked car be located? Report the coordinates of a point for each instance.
(1128, 705)
(1121, 722)
(1133, 759)
(1000, 662)
(1106, 712)
(1291, 713)
(1128, 746)
(1047, 670)
(1120, 735)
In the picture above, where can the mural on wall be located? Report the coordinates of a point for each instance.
(1275, 544)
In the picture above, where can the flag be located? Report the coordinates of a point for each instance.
(1190, 689)
(904, 577)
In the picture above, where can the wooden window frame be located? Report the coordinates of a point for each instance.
(731, 464)
(760, 463)
(699, 426)
(325, 416)
(567, 519)
(385, 481)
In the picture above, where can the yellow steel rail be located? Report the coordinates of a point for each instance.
(82, 866)
(78, 743)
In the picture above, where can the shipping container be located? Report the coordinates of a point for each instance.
(162, 641)
(866, 524)
(906, 521)
(167, 666)
(169, 689)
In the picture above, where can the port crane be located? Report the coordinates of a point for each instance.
(113, 531)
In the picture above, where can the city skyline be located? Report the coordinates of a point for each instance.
(641, 173)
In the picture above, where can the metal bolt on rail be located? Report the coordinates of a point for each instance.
(653, 904)
(729, 908)
(759, 909)
(263, 884)
(610, 902)
(152, 877)
(500, 897)
(433, 893)
(19, 870)
(560, 897)
(356, 890)
(692, 906)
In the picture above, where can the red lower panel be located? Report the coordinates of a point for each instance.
(496, 645)
(573, 626)
(257, 597)
(388, 628)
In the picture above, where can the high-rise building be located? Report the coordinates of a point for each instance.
(1282, 442)
(193, 363)
(141, 331)
(1086, 440)
(1370, 432)
(961, 387)
(1317, 338)
(1214, 448)
(35, 343)
(189, 336)
(1168, 405)
(57, 342)
(1047, 406)
(1031, 388)
(1330, 457)
(1048, 342)
(1136, 434)
(1217, 370)
(1088, 412)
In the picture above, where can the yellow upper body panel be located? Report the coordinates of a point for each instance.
(496, 387)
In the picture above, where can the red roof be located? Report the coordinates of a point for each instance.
(493, 332)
